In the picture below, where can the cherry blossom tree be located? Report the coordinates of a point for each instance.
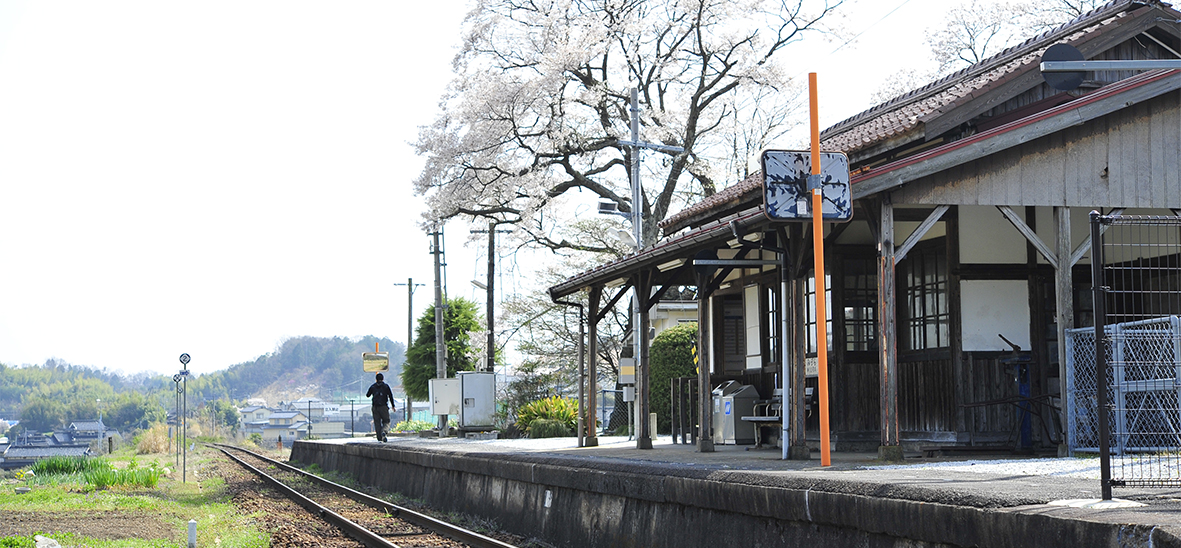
(539, 104)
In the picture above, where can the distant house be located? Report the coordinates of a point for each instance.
(254, 418)
(286, 418)
(669, 314)
(315, 409)
(88, 431)
(24, 455)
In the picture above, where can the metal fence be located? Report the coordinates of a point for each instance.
(1136, 276)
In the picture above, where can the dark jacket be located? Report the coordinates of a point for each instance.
(381, 394)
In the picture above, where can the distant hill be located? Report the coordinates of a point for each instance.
(320, 367)
(324, 368)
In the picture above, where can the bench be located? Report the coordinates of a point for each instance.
(767, 414)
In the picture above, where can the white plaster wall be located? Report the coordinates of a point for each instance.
(992, 307)
(987, 237)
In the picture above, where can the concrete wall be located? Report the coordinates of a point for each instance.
(581, 502)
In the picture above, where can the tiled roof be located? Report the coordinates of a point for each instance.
(901, 116)
(41, 451)
(904, 113)
(737, 193)
(285, 415)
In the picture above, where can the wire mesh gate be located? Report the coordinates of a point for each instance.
(1136, 276)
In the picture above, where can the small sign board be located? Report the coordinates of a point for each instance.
(786, 196)
(376, 362)
(627, 371)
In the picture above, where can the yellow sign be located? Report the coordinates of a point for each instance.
(376, 362)
(627, 371)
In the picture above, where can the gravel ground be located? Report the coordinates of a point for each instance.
(1078, 467)
(1082, 468)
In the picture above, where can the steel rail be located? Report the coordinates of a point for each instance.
(450, 530)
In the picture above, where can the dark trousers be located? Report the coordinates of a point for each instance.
(381, 418)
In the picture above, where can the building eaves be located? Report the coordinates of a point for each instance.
(677, 246)
(1107, 99)
(732, 197)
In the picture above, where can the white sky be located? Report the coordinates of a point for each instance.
(215, 177)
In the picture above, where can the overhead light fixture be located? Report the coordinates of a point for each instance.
(664, 267)
(607, 207)
(479, 285)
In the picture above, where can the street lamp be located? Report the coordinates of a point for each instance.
(98, 402)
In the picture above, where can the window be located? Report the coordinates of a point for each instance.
(810, 298)
(751, 308)
(927, 316)
(860, 304)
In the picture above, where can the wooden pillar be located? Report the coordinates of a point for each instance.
(796, 413)
(1063, 302)
(592, 353)
(643, 378)
(705, 440)
(891, 448)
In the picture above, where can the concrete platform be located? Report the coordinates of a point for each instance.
(674, 496)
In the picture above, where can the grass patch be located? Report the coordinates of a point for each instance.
(137, 487)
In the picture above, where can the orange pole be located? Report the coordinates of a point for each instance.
(818, 261)
(814, 109)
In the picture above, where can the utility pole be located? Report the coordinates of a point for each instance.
(644, 437)
(410, 286)
(440, 343)
(490, 286)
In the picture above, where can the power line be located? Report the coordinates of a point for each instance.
(875, 23)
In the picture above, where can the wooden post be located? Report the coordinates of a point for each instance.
(818, 268)
(592, 352)
(799, 310)
(1063, 303)
(891, 448)
(705, 440)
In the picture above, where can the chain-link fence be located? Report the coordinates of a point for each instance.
(1137, 270)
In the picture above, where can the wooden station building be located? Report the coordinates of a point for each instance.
(971, 202)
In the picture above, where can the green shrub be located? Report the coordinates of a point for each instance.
(17, 542)
(671, 356)
(68, 465)
(556, 408)
(138, 477)
(548, 428)
(413, 426)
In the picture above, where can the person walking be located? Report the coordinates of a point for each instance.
(383, 400)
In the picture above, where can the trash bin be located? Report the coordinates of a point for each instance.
(732, 401)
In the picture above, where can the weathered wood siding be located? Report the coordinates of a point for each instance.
(1126, 159)
(855, 397)
(988, 381)
(926, 395)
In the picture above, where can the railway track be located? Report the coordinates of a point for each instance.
(373, 522)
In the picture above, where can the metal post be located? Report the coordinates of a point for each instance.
(643, 374)
(637, 233)
(592, 351)
(410, 286)
(1099, 299)
(176, 381)
(490, 314)
(440, 342)
(184, 448)
(785, 376)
